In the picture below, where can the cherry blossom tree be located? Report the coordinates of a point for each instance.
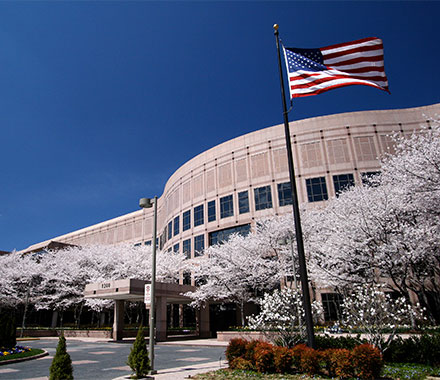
(20, 285)
(67, 272)
(387, 233)
(235, 271)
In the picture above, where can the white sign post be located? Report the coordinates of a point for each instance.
(147, 295)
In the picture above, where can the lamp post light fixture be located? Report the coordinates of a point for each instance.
(148, 203)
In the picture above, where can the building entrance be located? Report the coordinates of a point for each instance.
(133, 290)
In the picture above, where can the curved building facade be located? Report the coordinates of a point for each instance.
(226, 188)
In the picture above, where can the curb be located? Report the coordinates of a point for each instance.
(4, 362)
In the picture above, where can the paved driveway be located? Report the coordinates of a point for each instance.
(107, 360)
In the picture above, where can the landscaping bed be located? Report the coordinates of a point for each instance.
(20, 353)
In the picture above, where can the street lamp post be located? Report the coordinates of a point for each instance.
(148, 203)
(286, 241)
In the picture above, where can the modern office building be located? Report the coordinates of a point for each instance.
(228, 187)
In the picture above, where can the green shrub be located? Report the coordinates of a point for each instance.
(7, 329)
(138, 359)
(403, 350)
(236, 349)
(367, 361)
(61, 367)
(430, 349)
(424, 349)
(322, 342)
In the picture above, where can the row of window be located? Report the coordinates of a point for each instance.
(316, 191)
(216, 237)
(317, 187)
(262, 197)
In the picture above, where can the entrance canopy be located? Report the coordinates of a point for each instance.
(133, 290)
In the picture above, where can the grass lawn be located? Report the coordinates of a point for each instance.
(408, 371)
(32, 352)
(238, 374)
(401, 371)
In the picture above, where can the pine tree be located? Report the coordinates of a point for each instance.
(138, 359)
(61, 367)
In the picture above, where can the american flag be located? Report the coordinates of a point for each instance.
(312, 71)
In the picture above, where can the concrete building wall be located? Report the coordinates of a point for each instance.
(323, 147)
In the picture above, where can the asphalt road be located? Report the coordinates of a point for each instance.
(107, 360)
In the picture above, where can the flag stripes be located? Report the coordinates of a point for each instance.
(313, 71)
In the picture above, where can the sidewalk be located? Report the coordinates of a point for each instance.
(181, 373)
(186, 372)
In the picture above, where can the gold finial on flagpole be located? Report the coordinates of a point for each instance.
(275, 26)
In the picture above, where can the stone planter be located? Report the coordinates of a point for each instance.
(226, 336)
(36, 333)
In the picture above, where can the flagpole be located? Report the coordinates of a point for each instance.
(296, 213)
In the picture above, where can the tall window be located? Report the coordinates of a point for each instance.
(176, 225)
(243, 202)
(198, 215)
(186, 245)
(316, 189)
(284, 194)
(332, 304)
(176, 248)
(211, 211)
(199, 245)
(342, 182)
(170, 229)
(263, 198)
(226, 207)
(186, 220)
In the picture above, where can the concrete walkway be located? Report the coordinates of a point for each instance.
(98, 359)
(186, 372)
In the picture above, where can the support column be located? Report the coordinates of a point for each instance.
(204, 326)
(181, 316)
(161, 319)
(118, 321)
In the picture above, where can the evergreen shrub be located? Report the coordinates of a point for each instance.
(297, 353)
(138, 359)
(7, 329)
(310, 361)
(339, 362)
(367, 361)
(235, 349)
(423, 349)
(61, 367)
(250, 350)
(283, 359)
(242, 364)
(323, 342)
(264, 357)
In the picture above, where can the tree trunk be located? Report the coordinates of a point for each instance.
(54, 319)
(26, 303)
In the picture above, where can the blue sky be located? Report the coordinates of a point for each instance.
(100, 102)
